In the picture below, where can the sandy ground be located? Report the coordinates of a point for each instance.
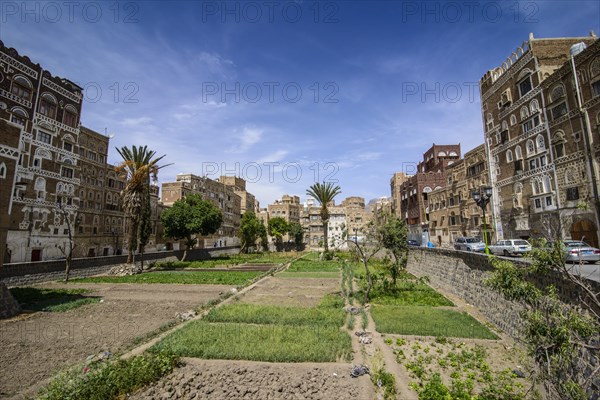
(291, 291)
(36, 346)
(221, 379)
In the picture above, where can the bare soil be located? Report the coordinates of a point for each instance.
(223, 379)
(36, 346)
(291, 292)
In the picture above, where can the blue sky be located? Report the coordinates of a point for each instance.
(285, 93)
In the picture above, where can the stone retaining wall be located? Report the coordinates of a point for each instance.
(21, 274)
(463, 274)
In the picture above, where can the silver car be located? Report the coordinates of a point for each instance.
(511, 247)
(580, 251)
(469, 244)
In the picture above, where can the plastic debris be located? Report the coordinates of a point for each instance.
(358, 370)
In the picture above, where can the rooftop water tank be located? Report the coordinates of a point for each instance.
(577, 48)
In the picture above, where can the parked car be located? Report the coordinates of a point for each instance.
(581, 251)
(511, 247)
(469, 244)
(412, 243)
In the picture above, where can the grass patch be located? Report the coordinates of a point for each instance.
(52, 300)
(231, 260)
(428, 321)
(271, 343)
(329, 312)
(275, 315)
(330, 275)
(407, 293)
(109, 380)
(234, 278)
(304, 265)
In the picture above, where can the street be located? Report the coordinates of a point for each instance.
(590, 271)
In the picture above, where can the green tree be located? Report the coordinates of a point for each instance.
(393, 236)
(556, 332)
(278, 227)
(297, 232)
(191, 216)
(139, 165)
(250, 230)
(264, 238)
(324, 193)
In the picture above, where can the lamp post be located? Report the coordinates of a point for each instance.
(482, 197)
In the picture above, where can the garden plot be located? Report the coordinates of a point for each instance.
(458, 368)
(221, 380)
(35, 346)
(291, 292)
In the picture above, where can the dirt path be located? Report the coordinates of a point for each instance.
(36, 346)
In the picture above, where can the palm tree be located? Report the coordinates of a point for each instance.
(324, 193)
(138, 165)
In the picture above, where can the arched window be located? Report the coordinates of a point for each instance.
(70, 116)
(40, 188)
(547, 184)
(518, 188)
(19, 116)
(536, 186)
(442, 154)
(108, 198)
(2, 170)
(557, 93)
(513, 120)
(504, 125)
(534, 106)
(21, 87)
(595, 67)
(540, 142)
(48, 105)
(558, 141)
(524, 113)
(530, 147)
(518, 153)
(509, 156)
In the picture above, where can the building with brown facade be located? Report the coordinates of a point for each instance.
(10, 144)
(46, 111)
(414, 191)
(541, 143)
(452, 210)
(396, 196)
(221, 195)
(248, 201)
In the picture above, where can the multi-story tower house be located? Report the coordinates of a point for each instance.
(414, 192)
(520, 122)
(100, 230)
(452, 210)
(395, 200)
(221, 195)
(46, 109)
(357, 216)
(248, 200)
(288, 208)
(574, 128)
(10, 144)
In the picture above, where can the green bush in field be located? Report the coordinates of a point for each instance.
(110, 380)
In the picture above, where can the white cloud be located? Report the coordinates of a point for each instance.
(275, 156)
(130, 122)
